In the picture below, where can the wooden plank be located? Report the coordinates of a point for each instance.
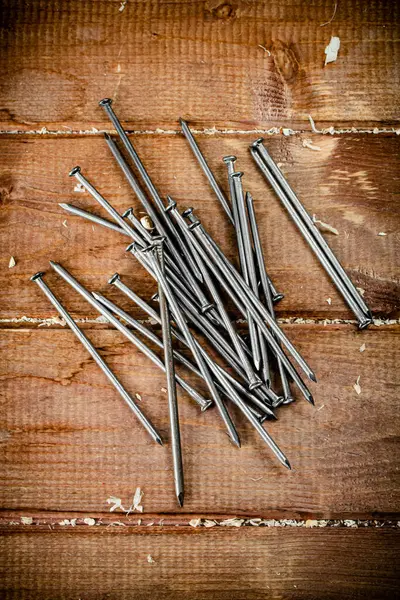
(69, 442)
(351, 184)
(232, 64)
(221, 563)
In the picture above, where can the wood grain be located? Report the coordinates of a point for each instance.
(229, 64)
(69, 442)
(351, 183)
(249, 562)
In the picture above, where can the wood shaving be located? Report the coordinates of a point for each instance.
(208, 523)
(309, 144)
(329, 301)
(362, 348)
(254, 522)
(332, 50)
(286, 131)
(139, 521)
(311, 523)
(361, 291)
(26, 520)
(122, 6)
(89, 521)
(79, 188)
(350, 523)
(265, 49)
(136, 502)
(332, 17)
(65, 223)
(150, 524)
(64, 522)
(324, 226)
(163, 389)
(382, 233)
(116, 503)
(150, 559)
(321, 407)
(114, 523)
(147, 223)
(12, 263)
(194, 522)
(357, 386)
(235, 522)
(138, 396)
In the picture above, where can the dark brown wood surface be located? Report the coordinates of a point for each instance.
(68, 442)
(224, 563)
(351, 184)
(225, 64)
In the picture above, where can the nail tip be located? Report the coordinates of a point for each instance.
(180, 498)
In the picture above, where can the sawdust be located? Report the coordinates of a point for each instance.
(357, 386)
(89, 521)
(26, 520)
(324, 226)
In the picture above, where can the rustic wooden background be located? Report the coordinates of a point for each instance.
(234, 69)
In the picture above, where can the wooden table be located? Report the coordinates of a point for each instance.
(234, 70)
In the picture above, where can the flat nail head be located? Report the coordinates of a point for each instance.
(237, 175)
(229, 159)
(187, 212)
(171, 204)
(154, 297)
(105, 102)
(127, 212)
(257, 142)
(37, 275)
(113, 278)
(74, 171)
(130, 247)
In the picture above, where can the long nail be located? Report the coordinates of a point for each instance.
(311, 234)
(118, 325)
(250, 274)
(79, 212)
(264, 282)
(254, 380)
(96, 356)
(206, 169)
(158, 254)
(76, 172)
(175, 309)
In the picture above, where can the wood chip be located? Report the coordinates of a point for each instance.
(163, 389)
(26, 520)
(138, 396)
(65, 223)
(150, 559)
(329, 301)
(324, 226)
(382, 233)
(311, 523)
(235, 522)
(332, 50)
(12, 263)
(362, 348)
(208, 523)
(89, 521)
(309, 144)
(361, 291)
(79, 188)
(116, 503)
(122, 6)
(194, 522)
(357, 386)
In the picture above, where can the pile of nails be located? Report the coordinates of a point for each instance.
(195, 279)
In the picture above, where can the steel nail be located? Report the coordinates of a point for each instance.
(74, 210)
(124, 330)
(169, 363)
(176, 311)
(96, 356)
(206, 169)
(311, 233)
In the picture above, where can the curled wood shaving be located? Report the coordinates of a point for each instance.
(26, 520)
(265, 49)
(324, 226)
(89, 521)
(12, 263)
(362, 348)
(357, 386)
(332, 50)
(116, 503)
(332, 17)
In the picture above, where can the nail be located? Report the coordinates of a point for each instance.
(311, 233)
(264, 281)
(118, 325)
(74, 210)
(206, 169)
(96, 356)
(76, 172)
(158, 254)
(254, 380)
(250, 274)
(175, 309)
